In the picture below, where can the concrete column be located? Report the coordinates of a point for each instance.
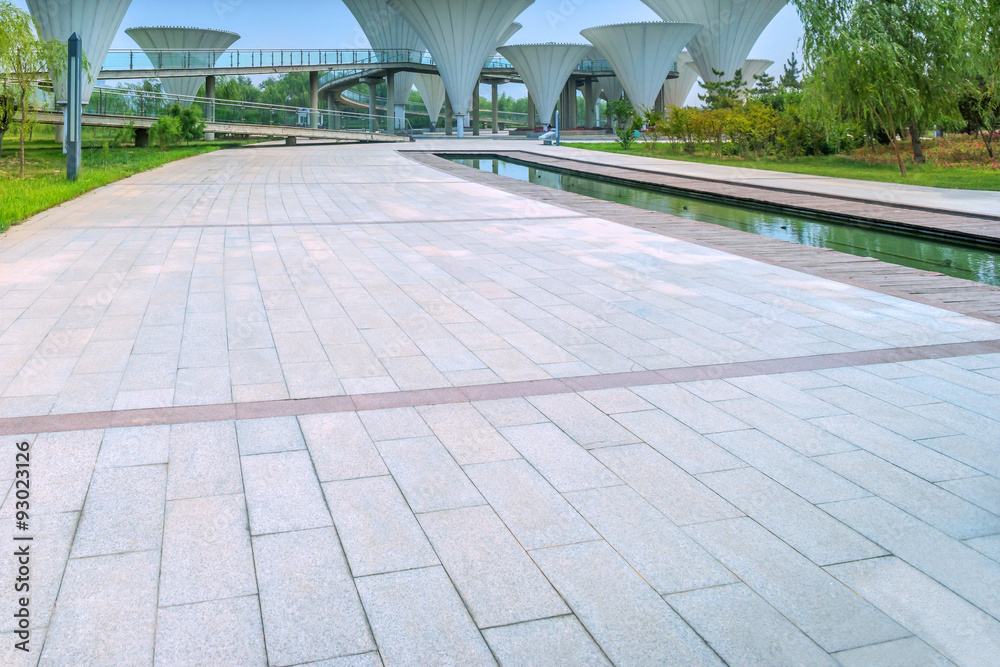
(210, 107)
(658, 104)
(590, 104)
(390, 97)
(475, 110)
(372, 110)
(567, 108)
(496, 109)
(334, 112)
(447, 116)
(313, 99)
(531, 113)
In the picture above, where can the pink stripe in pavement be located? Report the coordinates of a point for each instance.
(306, 406)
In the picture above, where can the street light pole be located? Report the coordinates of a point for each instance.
(74, 106)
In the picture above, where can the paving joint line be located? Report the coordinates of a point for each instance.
(293, 407)
(967, 297)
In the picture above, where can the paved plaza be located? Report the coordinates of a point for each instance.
(327, 405)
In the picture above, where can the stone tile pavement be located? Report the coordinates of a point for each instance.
(847, 513)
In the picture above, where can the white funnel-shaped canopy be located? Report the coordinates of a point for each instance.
(752, 69)
(731, 29)
(641, 54)
(96, 21)
(386, 29)
(196, 46)
(431, 89)
(507, 34)
(544, 69)
(611, 86)
(461, 35)
(676, 91)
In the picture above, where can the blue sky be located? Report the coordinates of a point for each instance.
(328, 24)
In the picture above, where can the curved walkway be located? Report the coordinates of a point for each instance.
(289, 405)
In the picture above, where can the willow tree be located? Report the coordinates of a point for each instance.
(891, 65)
(979, 102)
(24, 59)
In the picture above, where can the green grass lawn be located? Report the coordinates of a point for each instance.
(971, 178)
(45, 184)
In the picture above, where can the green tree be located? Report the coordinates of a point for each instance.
(894, 65)
(655, 123)
(292, 89)
(166, 131)
(235, 88)
(22, 56)
(8, 111)
(979, 100)
(722, 94)
(621, 113)
(764, 86)
(791, 76)
(190, 124)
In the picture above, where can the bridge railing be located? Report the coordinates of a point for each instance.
(139, 59)
(150, 104)
(417, 108)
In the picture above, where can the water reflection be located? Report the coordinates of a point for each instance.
(950, 258)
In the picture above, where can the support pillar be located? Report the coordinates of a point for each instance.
(314, 99)
(390, 100)
(495, 108)
(331, 107)
(567, 115)
(371, 104)
(447, 115)
(531, 113)
(563, 115)
(210, 107)
(590, 104)
(335, 117)
(475, 110)
(658, 104)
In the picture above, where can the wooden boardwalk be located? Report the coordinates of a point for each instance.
(932, 288)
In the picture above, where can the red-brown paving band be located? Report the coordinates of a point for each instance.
(397, 399)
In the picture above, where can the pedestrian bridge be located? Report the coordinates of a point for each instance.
(117, 107)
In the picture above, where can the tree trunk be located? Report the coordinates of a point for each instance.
(24, 121)
(918, 149)
(899, 156)
(987, 138)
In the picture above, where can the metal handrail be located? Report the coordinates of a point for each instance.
(420, 109)
(146, 59)
(153, 104)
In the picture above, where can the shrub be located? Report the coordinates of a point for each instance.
(192, 127)
(626, 136)
(166, 131)
(124, 135)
